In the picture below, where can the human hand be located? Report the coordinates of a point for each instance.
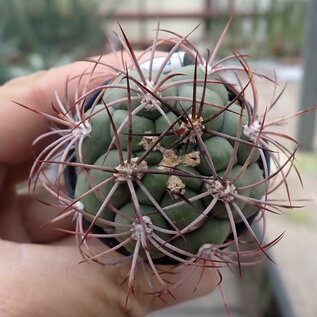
(40, 272)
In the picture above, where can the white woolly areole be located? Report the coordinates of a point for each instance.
(223, 192)
(252, 131)
(206, 249)
(130, 170)
(142, 231)
(203, 68)
(82, 129)
(79, 206)
(151, 103)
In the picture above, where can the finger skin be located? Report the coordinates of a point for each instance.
(3, 172)
(67, 288)
(37, 219)
(19, 126)
(12, 226)
(25, 218)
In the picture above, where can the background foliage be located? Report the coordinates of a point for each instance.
(37, 34)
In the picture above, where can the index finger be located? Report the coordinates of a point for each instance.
(19, 127)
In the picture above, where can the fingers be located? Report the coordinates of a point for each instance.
(38, 212)
(199, 283)
(3, 172)
(24, 218)
(19, 126)
(38, 218)
(54, 282)
(57, 285)
(11, 219)
(17, 173)
(66, 287)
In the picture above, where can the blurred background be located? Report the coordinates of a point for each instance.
(281, 37)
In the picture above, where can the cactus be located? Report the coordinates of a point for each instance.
(167, 165)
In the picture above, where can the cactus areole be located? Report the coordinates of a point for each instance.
(167, 162)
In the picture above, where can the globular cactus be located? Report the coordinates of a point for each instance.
(167, 164)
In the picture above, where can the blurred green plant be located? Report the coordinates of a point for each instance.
(286, 22)
(37, 34)
(275, 31)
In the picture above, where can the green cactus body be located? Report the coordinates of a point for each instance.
(140, 125)
(230, 127)
(176, 169)
(162, 124)
(182, 215)
(213, 231)
(91, 202)
(152, 158)
(119, 92)
(98, 140)
(220, 151)
(257, 192)
(191, 181)
(169, 164)
(212, 104)
(213, 83)
(119, 197)
(156, 186)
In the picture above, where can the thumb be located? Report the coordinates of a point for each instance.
(38, 280)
